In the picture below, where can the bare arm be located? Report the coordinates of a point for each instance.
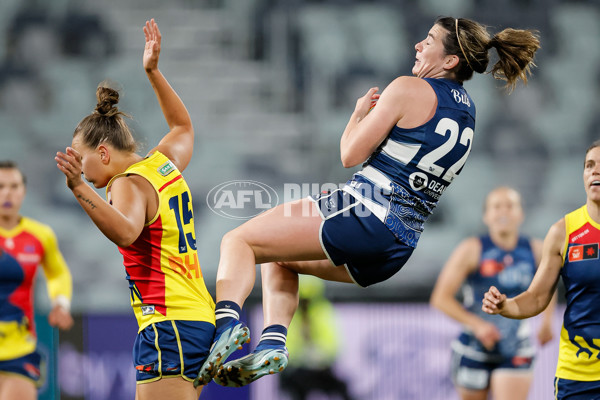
(463, 261)
(404, 98)
(545, 333)
(122, 222)
(537, 297)
(178, 143)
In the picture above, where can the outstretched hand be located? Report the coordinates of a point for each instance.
(493, 301)
(152, 49)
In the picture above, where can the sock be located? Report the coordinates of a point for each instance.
(272, 336)
(226, 312)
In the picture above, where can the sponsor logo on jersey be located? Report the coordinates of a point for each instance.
(166, 168)
(418, 181)
(25, 258)
(147, 310)
(460, 97)
(580, 235)
(490, 268)
(583, 252)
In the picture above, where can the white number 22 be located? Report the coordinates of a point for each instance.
(428, 161)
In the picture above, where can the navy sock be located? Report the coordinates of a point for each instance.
(226, 312)
(272, 336)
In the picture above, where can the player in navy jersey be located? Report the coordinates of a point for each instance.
(570, 250)
(414, 142)
(492, 354)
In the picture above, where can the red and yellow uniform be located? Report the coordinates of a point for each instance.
(579, 350)
(162, 265)
(31, 244)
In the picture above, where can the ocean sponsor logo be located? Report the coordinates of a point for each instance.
(147, 310)
(583, 252)
(241, 199)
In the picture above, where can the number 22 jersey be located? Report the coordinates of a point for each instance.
(165, 279)
(404, 178)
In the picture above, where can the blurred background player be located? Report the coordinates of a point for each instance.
(313, 338)
(149, 216)
(570, 250)
(25, 244)
(414, 142)
(492, 354)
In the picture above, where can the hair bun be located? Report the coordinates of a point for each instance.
(106, 97)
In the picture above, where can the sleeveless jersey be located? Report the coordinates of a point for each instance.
(404, 178)
(163, 271)
(25, 247)
(580, 335)
(511, 272)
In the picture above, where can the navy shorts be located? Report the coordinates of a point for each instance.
(565, 389)
(171, 348)
(28, 366)
(472, 374)
(354, 237)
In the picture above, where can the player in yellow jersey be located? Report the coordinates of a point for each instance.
(25, 244)
(570, 250)
(148, 215)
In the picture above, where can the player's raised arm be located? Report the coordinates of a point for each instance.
(178, 143)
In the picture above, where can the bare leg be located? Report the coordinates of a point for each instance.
(507, 385)
(280, 294)
(287, 233)
(468, 394)
(167, 389)
(15, 387)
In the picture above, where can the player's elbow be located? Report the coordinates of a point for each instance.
(125, 238)
(350, 160)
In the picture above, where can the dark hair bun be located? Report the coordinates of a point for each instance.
(107, 98)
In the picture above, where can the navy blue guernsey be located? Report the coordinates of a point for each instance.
(405, 177)
(511, 272)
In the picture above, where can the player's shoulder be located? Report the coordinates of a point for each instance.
(36, 228)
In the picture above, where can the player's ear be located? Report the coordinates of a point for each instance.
(450, 61)
(104, 154)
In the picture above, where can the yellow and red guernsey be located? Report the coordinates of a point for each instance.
(579, 347)
(31, 244)
(164, 274)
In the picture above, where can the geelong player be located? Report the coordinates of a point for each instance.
(149, 216)
(492, 354)
(570, 250)
(414, 142)
(25, 244)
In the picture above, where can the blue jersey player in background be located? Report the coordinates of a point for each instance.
(414, 142)
(492, 354)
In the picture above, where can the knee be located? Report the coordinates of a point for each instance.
(232, 237)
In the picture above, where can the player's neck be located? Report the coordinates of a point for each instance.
(9, 221)
(593, 210)
(505, 240)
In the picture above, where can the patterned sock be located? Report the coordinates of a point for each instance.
(225, 313)
(272, 336)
